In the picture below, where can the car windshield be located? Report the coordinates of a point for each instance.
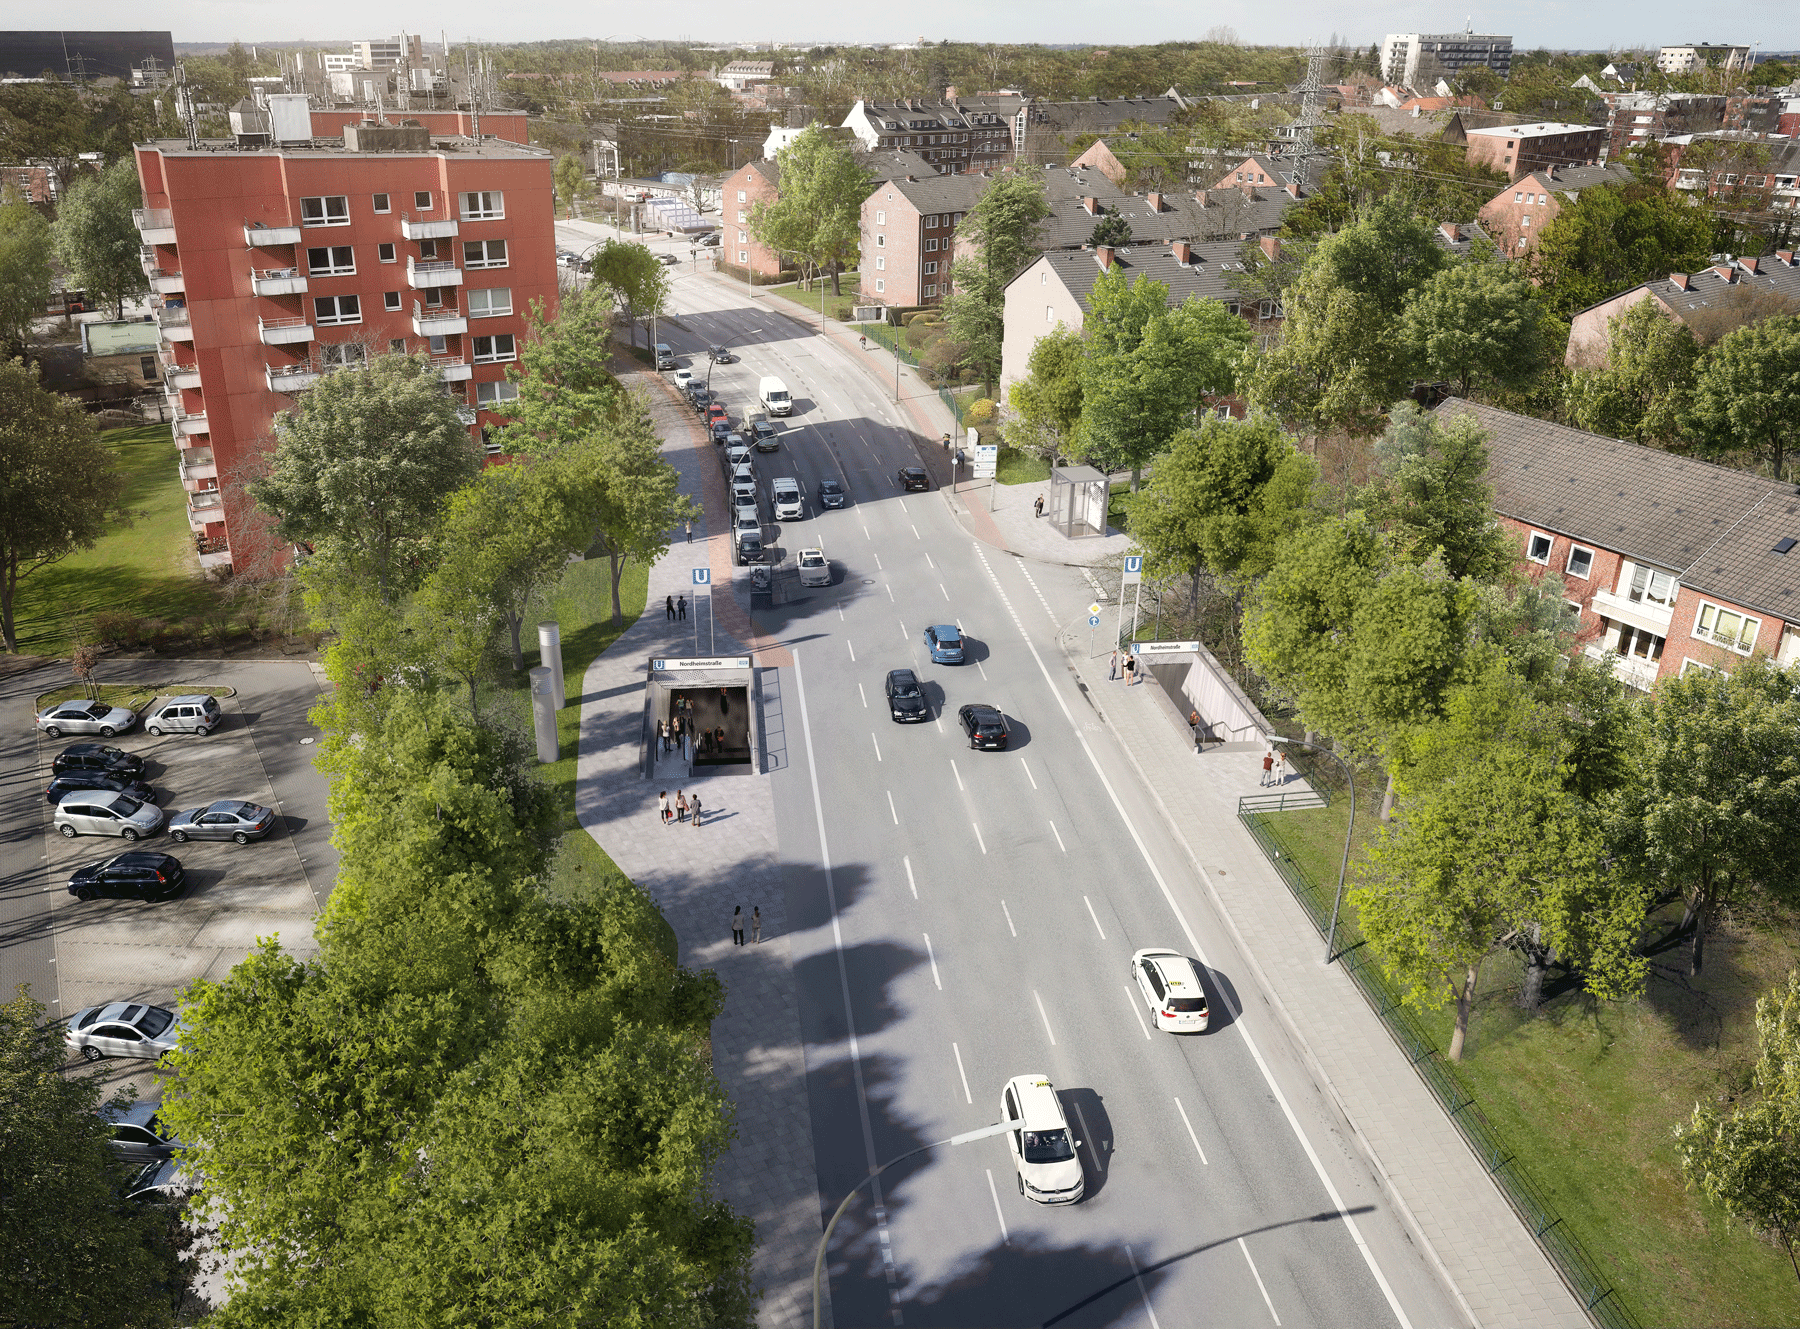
(905, 687)
(155, 1021)
(830, 487)
(125, 806)
(1047, 1146)
(98, 709)
(112, 754)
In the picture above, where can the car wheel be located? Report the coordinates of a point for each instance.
(179, 837)
(93, 1053)
(84, 894)
(107, 731)
(156, 730)
(129, 833)
(68, 832)
(52, 731)
(241, 838)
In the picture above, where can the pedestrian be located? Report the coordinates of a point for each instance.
(1130, 670)
(1112, 668)
(681, 609)
(1037, 507)
(1268, 765)
(681, 806)
(690, 532)
(756, 923)
(1281, 767)
(669, 607)
(719, 739)
(737, 926)
(663, 799)
(694, 808)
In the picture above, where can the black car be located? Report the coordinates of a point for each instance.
(914, 477)
(720, 428)
(721, 355)
(138, 875)
(97, 757)
(71, 782)
(831, 494)
(701, 399)
(768, 438)
(984, 725)
(906, 699)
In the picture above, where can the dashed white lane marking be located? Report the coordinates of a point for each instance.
(1142, 1291)
(932, 956)
(1045, 1018)
(1009, 923)
(1058, 834)
(1259, 1283)
(907, 864)
(1131, 999)
(1182, 1111)
(892, 811)
(978, 839)
(964, 1075)
(994, 1191)
(1096, 917)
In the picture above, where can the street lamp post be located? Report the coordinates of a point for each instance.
(1344, 866)
(967, 1137)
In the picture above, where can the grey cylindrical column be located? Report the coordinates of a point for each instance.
(543, 713)
(550, 653)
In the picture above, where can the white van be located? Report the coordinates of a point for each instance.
(784, 495)
(773, 394)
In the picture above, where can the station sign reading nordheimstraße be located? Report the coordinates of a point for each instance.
(1164, 647)
(712, 662)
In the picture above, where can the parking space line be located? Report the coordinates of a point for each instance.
(956, 773)
(1259, 1283)
(1045, 1018)
(892, 812)
(932, 956)
(1142, 1291)
(1180, 1109)
(877, 743)
(1091, 914)
(1132, 998)
(978, 839)
(1058, 834)
(1009, 923)
(907, 864)
(994, 1191)
(962, 1074)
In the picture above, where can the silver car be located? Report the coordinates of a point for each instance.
(85, 717)
(196, 713)
(138, 1134)
(228, 819)
(123, 1029)
(100, 812)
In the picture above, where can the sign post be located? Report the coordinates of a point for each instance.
(1134, 576)
(703, 582)
(1093, 622)
(986, 459)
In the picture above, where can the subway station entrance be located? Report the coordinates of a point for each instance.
(707, 706)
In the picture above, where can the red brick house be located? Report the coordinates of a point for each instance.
(1517, 150)
(1518, 214)
(1680, 294)
(760, 182)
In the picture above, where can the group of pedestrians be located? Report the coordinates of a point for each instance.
(1131, 669)
(737, 924)
(682, 809)
(1275, 767)
(676, 608)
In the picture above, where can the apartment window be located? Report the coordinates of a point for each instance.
(931, 245)
(1518, 197)
(1265, 309)
(434, 298)
(1647, 584)
(1538, 549)
(1543, 199)
(390, 300)
(343, 355)
(428, 249)
(333, 261)
(880, 263)
(880, 285)
(1044, 278)
(422, 200)
(743, 217)
(489, 443)
(492, 350)
(1581, 562)
(397, 345)
(740, 196)
(382, 204)
(147, 368)
(484, 253)
(1233, 307)
(743, 256)
(437, 345)
(333, 210)
(881, 219)
(490, 303)
(483, 205)
(743, 238)
(1691, 666)
(385, 253)
(486, 394)
(329, 309)
(1726, 627)
(931, 269)
(1049, 313)
(1525, 222)
(881, 242)
(1638, 644)
(930, 291)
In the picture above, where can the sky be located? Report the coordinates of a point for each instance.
(1561, 24)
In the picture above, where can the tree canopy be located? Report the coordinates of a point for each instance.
(818, 215)
(1644, 389)
(25, 248)
(96, 238)
(1609, 239)
(1747, 393)
(1001, 232)
(1432, 496)
(637, 280)
(1477, 323)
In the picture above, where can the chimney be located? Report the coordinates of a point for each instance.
(1092, 205)
(1204, 198)
(1451, 232)
(1103, 254)
(1293, 188)
(1271, 246)
(1184, 253)
(1155, 202)
(950, 93)
(1680, 279)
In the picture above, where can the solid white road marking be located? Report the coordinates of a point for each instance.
(1132, 998)
(998, 1212)
(877, 743)
(1187, 1123)
(964, 1075)
(1259, 1283)
(1028, 775)
(1142, 1292)
(1046, 1019)
(891, 810)
(1088, 1137)
(978, 839)
(956, 773)
(1009, 923)
(932, 956)
(1058, 834)
(1091, 914)
(907, 864)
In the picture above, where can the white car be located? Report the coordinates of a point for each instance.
(814, 569)
(101, 812)
(85, 717)
(123, 1029)
(681, 378)
(1043, 1147)
(1170, 986)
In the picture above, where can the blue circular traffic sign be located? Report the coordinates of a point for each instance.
(1093, 620)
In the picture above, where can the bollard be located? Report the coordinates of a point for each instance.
(543, 713)
(550, 653)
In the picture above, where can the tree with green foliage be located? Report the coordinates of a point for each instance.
(1643, 390)
(1001, 233)
(366, 460)
(1431, 496)
(25, 277)
(1749, 1160)
(60, 487)
(1609, 239)
(96, 238)
(565, 387)
(1112, 230)
(1423, 177)
(637, 280)
(567, 177)
(1747, 394)
(75, 1254)
(818, 214)
(1710, 810)
(1045, 405)
(1479, 322)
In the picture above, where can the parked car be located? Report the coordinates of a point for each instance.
(985, 725)
(906, 699)
(701, 398)
(1041, 1144)
(768, 438)
(721, 430)
(831, 494)
(717, 414)
(100, 813)
(192, 714)
(97, 757)
(123, 1029)
(138, 1134)
(815, 569)
(227, 819)
(914, 477)
(721, 355)
(159, 1183)
(96, 780)
(682, 377)
(945, 642)
(1170, 986)
(85, 717)
(737, 452)
(137, 875)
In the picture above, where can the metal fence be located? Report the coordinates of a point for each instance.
(1564, 1249)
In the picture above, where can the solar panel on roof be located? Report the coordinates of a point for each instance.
(1784, 544)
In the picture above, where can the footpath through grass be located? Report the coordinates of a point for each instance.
(837, 307)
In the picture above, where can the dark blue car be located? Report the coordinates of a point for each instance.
(945, 642)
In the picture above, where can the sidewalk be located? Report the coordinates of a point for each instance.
(697, 874)
(1484, 1251)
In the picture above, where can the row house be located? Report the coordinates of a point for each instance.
(1669, 564)
(1636, 118)
(1682, 294)
(760, 182)
(1517, 150)
(285, 254)
(1749, 172)
(1517, 215)
(957, 136)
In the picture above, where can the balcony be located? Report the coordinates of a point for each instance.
(164, 282)
(438, 322)
(290, 378)
(181, 376)
(147, 258)
(174, 324)
(208, 505)
(189, 423)
(452, 368)
(444, 228)
(1630, 670)
(263, 237)
(284, 331)
(197, 464)
(154, 225)
(277, 281)
(1645, 614)
(218, 558)
(426, 276)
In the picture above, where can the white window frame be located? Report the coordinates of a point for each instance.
(330, 267)
(1706, 619)
(386, 252)
(931, 269)
(931, 244)
(498, 391)
(930, 291)
(880, 263)
(482, 205)
(485, 249)
(343, 355)
(493, 355)
(338, 317)
(484, 297)
(429, 203)
(1569, 563)
(740, 196)
(880, 241)
(880, 285)
(327, 214)
(383, 203)
(744, 256)
(1532, 537)
(390, 301)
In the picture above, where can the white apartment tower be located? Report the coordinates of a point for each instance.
(1406, 56)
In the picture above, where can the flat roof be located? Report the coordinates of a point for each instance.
(1537, 130)
(494, 148)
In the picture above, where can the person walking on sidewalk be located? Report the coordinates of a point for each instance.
(1281, 767)
(694, 808)
(1112, 668)
(690, 532)
(681, 609)
(1268, 766)
(737, 926)
(681, 806)
(756, 923)
(1037, 506)
(663, 799)
(669, 607)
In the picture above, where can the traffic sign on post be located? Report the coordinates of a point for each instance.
(1134, 569)
(703, 576)
(986, 457)
(1093, 620)
(1094, 608)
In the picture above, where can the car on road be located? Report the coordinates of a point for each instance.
(97, 757)
(228, 819)
(85, 717)
(710, 241)
(721, 355)
(831, 494)
(664, 354)
(945, 642)
(668, 260)
(568, 258)
(681, 378)
(815, 568)
(138, 1134)
(101, 813)
(1170, 986)
(72, 781)
(913, 477)
(984, 724)
(193, 714)
(768, 438)
(787, 499)
(1042, 1146)
(123, 1029)
(906, 699)
(138, 875)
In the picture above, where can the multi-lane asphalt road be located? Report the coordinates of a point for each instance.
(962, 917)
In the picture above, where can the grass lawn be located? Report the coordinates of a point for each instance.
(850, 282)
(149, 568)
(1022, 468)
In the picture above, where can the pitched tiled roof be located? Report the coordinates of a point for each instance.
(1207, 275)
(1715, 528)
(1711, 285)
(957, 193)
